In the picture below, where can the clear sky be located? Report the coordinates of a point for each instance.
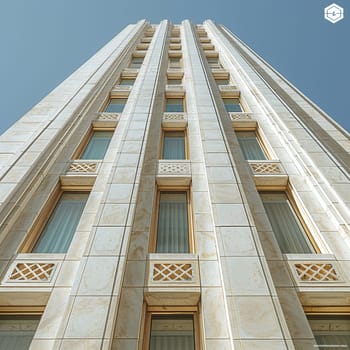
(44, 41)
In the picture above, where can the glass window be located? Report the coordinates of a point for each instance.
(214, 62)
(172, 332)
(17, 332)
(286, 226)
(174, 145)
(136, 62)
(222, 81)
(250, 145)
(128, 82)
(116, 105)
(60, 228)
(174, 59)
(172, 228)
(174, 105)
(331, 332)
(174, 81)
(97, 145)
(232, 105)
(174, 62)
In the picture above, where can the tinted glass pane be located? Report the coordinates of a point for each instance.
(174, 145)
(98, 145)
(116, 105)
(174, 105)
(172, 332)
(127, 82)
(59, 230)
(136, 62)
(232, 105)
(222, 81)
(333, 332)
(286, 226)
(172, 232)
(16, 332)
(174, 81)
(250, 146)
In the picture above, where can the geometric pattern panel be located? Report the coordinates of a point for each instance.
(32, 271)
(83, 167)
(174, 168)
(316, 272)
(172, 272)
(174, 117)
(266, 168)
(108, 117)
(241, 116)
(122, 87)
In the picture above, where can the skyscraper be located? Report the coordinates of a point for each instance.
(175, 192)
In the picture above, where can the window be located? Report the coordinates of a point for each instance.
(232, 105)
(97, 145)
(331, 332)
(17, 332)
(128, 82)
(173, 222)
(174, 145)
(175, 62)
(136, 62)
(116, 105)
(214, 62)
(174, 81)
(174, 105)
(250, 145)
(288, 229)
(172, 331)
(222, 81)
(59, 230)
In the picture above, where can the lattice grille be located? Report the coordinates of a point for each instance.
(176, 88)
(228, 88)
(174, 116)
(174, 168)
(104, 116)
(266, 168)
(241, 116)
(319, 272)
(83, 167)
(172, 272)
(40, 272)
(122, 87)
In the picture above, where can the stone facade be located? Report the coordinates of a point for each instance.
(243, 290)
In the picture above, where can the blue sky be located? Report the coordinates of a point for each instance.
(43, 42)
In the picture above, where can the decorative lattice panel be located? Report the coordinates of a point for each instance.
(174, 116)
(122, 87)
(174, 168)
(83, 167)
(228, 88)
(172, 272)
(32, 271)
(316, 272)
(266, 168)
(240, 116)
(108, 117)
(175, 88)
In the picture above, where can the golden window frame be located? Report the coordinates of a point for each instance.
(154, 225)
(169, 97)
(169, 130)
(44, 215)
(295, 206)
(149, 311)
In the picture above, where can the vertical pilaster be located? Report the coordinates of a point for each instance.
(142, 140)
(241, 292)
